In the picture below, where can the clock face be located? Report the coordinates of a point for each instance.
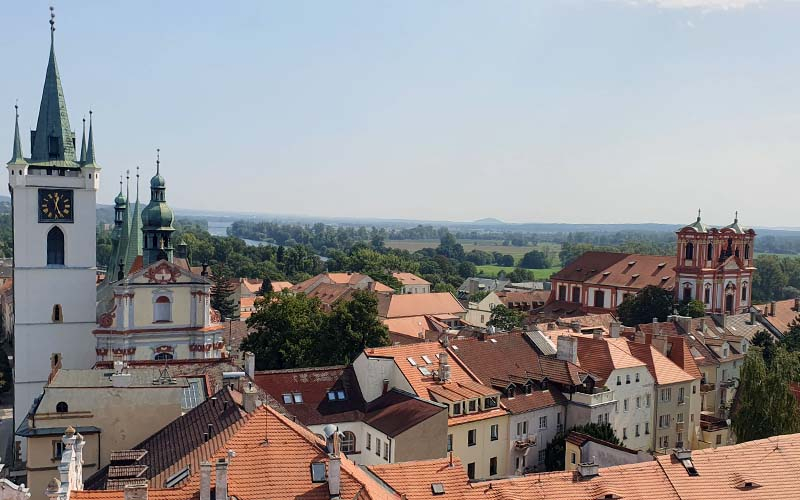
(55, 205)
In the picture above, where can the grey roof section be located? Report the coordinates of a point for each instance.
(90, 159)
(53, 121)
(542, 343)
(740, 324)
(735, 226)
(140, 377)
(472, 285)
(17, 157)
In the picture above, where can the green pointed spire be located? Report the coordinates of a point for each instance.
(120, 206)
(125, 230)
(83, 142)
(135, 239)
(16, 156)
(89, 160)
(157, 220)
(53, 142)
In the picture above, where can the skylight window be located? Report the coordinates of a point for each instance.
(437, 488)
(336, 395)
(426, 359)
(411, 361)
(455, 347)
(318, 472)
(634, 276)
(177, 477)
(493, 341)
(287, 399)
(424, 371)
(298, 398)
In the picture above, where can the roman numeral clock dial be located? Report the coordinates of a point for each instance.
(55, 205)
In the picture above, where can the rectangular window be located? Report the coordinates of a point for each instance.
(625, 404)
(472, 437)
(638, 401)
(298, 398)
(647, 427)
(386, 451)
(287, 399)
(378, 446)
(457, 408)
(471, 470)
(605, 418)
(540, 458)
(681, 396)
(600, 419)
(449, 442)
(562, 292)
(679, 419)
(369, 441)
(679, 440)
(647, 400)
(572, 458)
(637, 376)
(707, 296)
(637, 430)
(576, 294)
(599, 298)
(719, 438)
(493, 466)
(624, 433)
(494, 432)
(543, 422)
(628, 378)
(489, 403)
(473, 405)
(58, 449)
(522, 428)
(619, 380)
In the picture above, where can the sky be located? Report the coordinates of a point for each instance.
(576, 111)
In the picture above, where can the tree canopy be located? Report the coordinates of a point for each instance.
(651, 302)
(556, 449)
(504, 318)
(221, 293)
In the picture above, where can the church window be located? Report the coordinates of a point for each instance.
(710, 252)
(55, 247)
(58, 317)
(687, 292)
(162, 310)
(576, 294)
(744, 291)
(62, 407)
(562, 292)
(163, 356)
(747, 251)
(707, 295)
(689, 250)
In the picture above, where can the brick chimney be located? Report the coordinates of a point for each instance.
(772, 308)
(221, 485)
(444, 367)
(616, 328)
(334, 467)
(137, 491)
(250, 364)
(588, 470)
(567, 349)
(205, 481)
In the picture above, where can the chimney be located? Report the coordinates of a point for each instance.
(772, 308)
(204, 272)
(334, 475)
(656, 329)
(221, 486)
(250, 364)
(576, 326)
(752, 317)
(597, 334)
(137, 491)
(205, 481)
(588, 470)
(685, 322)
(385, 386)
(567, 349)
(616, 328)
(249, 400)
(444, 368)
(331, 433)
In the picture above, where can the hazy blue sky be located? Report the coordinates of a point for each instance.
(537, 111)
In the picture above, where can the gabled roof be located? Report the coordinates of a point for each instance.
(418, 304)
(600, 357)
(663, 370)
(410, 279)
(785, 313)
(218, 416)
(397, 411)
(414, 480)
(314, 384)
(412, 326)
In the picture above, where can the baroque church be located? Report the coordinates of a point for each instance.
(150, 307)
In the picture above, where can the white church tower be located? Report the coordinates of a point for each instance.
(53, 206)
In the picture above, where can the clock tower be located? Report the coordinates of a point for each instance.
(53, 208)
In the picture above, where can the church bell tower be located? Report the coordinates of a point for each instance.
(53, 207)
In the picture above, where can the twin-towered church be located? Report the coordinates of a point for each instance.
(149, 306)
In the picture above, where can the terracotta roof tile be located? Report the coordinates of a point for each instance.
(663, 370)
(414, 479)
(622, 270)
(785, 313)
(418, 304)
(410, 279)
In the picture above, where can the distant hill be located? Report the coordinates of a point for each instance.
(488, 221)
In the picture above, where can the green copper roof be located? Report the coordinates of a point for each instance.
(16, 156)
(135, 238)
(90, 148)
(697, 225)
(83, 147)
(52, 126)
(738, 229)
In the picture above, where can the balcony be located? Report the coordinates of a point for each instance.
(679, 426)
(592, 400)
(525, 442)
(727, 384)
(707, 388)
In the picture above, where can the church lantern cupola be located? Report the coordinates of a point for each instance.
(157, 220)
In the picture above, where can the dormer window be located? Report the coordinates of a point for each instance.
(489, 403)
(510, 392)
(336, 395)
(457, 408)
(472, 406)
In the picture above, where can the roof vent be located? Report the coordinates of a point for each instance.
(634, 276)
(661, 264)
(411, 361)
(606, 273)
(632, 263)
(664, 278)
(685, 458)
(437, 488)
(588, 470)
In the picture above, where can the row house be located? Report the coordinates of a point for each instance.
(411, 283)
(542, 394)
(477, 426)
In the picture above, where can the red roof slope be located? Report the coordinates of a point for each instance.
(634, 271)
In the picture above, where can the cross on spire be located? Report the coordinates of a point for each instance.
(158, 161)
(698, 215)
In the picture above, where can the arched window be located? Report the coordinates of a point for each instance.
(55, 247)
(710, 252)
(58, 317)
(163, 356)
(687, 292)
(162, 310)
(707, 294)
(744, 291)
(62, 407)
(690, 250)
(746, 251)
(348, 444)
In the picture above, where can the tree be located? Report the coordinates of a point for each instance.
(505, 260)
(221, 290)
(791, 338)
(534, 259)
(266, 286)
(693, 309)
(505, 319)
(519, 275)
(651, 302)
(766, 342)
(285, 331)
(766, 406)
(556, 449)
(353, 326)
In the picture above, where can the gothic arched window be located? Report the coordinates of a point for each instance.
(710, 252)
(747, 251)
(55, 247)
(348, 442)
(690, 250)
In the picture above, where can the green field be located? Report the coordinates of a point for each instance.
(539, 274)
(484, 245)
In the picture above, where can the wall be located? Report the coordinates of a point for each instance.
(42, 467)
(425, 440)
(371, 372)
(604, 456)
(484, 447)
(628, 420)
(543, 436)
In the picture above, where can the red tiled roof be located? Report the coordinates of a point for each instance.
(663, 370)
(530, 299)
(414, 479)
(622, 270)
(314, 384)
(600, 357)
(418, 304)
(784, 314)
(409, 279)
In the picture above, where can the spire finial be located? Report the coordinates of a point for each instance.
(698, 215)
(137, 183)
(158, 161)
(16, 155)
(128, 184)
(120, 183)
(52, 21)
(736, 216)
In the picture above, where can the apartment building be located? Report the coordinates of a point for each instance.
(477, 429)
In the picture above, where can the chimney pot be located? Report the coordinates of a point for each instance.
(205, 481)
(136, 491)
(334, 476)
(250, 364)
(249, 400)
(616, 327)
(567, 349)
(221, 486)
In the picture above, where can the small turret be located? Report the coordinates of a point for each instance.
(157, 218)
(17, 157)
